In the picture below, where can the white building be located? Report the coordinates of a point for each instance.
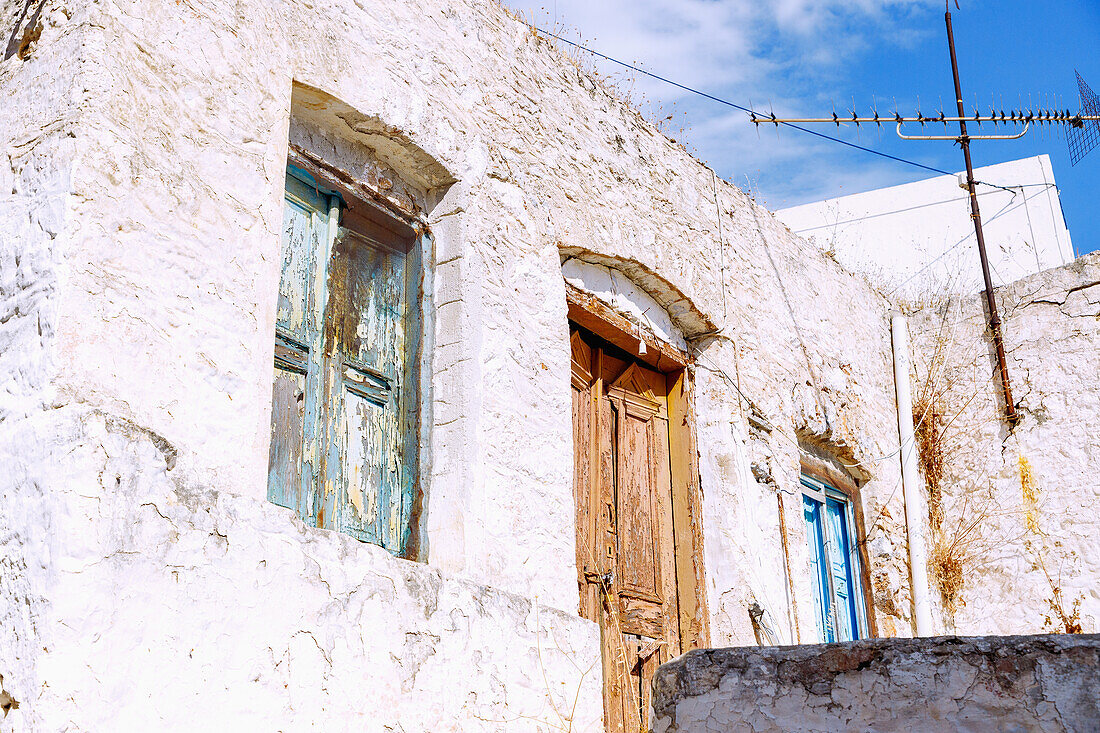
(367, 366)
(919, 236)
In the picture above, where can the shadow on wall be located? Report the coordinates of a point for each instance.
(7, 702)
(20, 44)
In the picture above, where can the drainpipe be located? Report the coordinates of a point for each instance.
(910, 480)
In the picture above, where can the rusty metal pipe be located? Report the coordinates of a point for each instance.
(975, 214)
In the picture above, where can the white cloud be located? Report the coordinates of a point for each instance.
(786, 55)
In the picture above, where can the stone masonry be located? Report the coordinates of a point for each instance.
(1014, 683)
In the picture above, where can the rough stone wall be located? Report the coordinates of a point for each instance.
(1019, 506)
(38, 117)
(183, 607)
(1020, 683)
(40, 111)
(163, 326)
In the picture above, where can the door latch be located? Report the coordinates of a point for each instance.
(597, 579)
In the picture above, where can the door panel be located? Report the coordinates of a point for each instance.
(364, 344)
(819, 578)
(666, 555)
(305, 228)
(841, 570)
(637, 560)
(625, 544)
(284, 464)
(365, 315)
(366, 473)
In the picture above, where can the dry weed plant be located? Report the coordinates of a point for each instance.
(1029, 493)
(965, 542)
(965, 516)
(562, 720)
(928, 430)
(1061, 617)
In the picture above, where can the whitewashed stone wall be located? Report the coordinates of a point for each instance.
(38, 123)
(148, 144)
(1032, 490)
(1022, 683)
(182, 607)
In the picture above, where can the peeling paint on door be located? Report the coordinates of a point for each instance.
(342, 406)
(625, 534)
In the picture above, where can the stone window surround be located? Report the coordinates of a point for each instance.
(402, 201)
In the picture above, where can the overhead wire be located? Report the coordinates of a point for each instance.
(881, 214)
(714, 368)
(764, 117)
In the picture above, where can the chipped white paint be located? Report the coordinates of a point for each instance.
(193, 608)
(620, 292)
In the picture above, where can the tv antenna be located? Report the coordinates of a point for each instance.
(1082, 133)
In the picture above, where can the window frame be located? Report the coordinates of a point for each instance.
(821, 492)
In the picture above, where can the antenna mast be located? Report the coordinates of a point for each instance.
(975, 214)
(1082, 133)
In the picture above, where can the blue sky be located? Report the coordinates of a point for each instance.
(805, 57)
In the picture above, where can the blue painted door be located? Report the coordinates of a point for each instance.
(840, 567)
(819, 577)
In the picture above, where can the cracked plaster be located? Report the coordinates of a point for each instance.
(147, 144)
(1051, 325)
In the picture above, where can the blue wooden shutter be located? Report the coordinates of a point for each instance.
(343, 419)
(815, 534)
(366, 344)
(840, 567)
(294, 417)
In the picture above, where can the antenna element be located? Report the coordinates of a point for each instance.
(1083, 133)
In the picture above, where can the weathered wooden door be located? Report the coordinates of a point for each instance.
(368, 489)
(625, 543)
(343, 446)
